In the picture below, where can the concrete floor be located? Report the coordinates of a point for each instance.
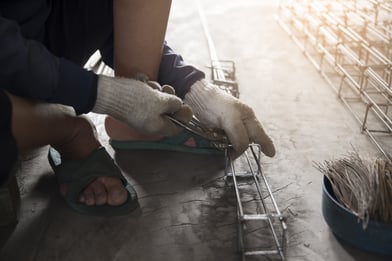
(187, 211)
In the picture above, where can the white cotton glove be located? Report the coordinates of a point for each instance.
(140, 106)
(218, 109)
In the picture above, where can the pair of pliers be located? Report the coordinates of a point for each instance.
(217, 137)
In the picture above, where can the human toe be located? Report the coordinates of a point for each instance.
(116, 192)
(87, 196)
(100, 194)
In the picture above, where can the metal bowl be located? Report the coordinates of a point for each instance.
(376, 238)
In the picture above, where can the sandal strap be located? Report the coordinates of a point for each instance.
(77, 174)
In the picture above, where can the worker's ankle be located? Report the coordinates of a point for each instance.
(81, 142)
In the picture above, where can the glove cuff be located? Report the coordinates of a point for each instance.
(113, 96)
(199, 94)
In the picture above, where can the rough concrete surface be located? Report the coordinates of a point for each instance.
(187, 211)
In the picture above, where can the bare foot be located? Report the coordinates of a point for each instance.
(103, 190)
(118, 130)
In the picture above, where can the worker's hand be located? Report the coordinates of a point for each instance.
(218, 109)
(140, 106)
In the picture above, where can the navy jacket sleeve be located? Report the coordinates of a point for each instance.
(173, 70)
(28, 69)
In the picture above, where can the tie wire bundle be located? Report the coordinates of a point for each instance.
(364, 186)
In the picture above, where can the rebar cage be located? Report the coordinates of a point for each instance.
(350, 44)
(261, 227)
(223, 75)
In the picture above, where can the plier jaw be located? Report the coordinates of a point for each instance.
(217, 137)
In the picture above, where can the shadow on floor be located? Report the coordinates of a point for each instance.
(187, 212)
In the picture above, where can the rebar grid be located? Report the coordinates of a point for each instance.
(350, 44)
